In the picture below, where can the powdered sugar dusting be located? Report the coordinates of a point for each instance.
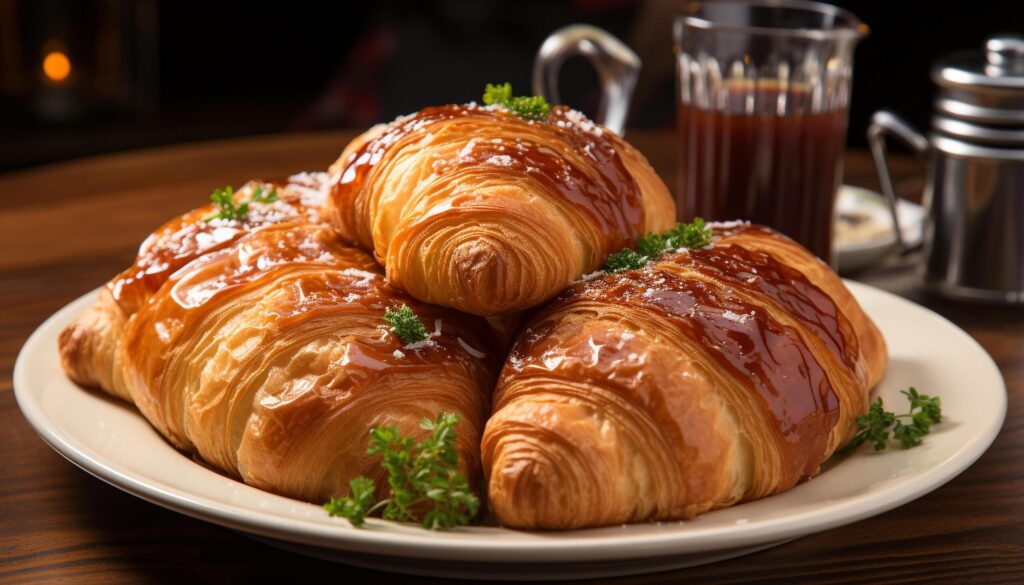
(428, 342)
(311, 187)
(364, 276)
(500, 160)
(740, 318)
(725, 225)
(580, 121)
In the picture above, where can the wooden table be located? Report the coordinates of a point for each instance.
(66, 229)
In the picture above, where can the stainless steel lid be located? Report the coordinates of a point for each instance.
(983, 87)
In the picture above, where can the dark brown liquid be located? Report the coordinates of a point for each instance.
(749, 162)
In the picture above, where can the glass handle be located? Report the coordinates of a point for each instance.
(617, 66)
(885, 123)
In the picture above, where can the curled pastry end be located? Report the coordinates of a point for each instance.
(541, 479)
(484, 262)
(73, 345)
(88, 349)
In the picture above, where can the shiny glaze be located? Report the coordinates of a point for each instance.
(611, 197)
(283, 246)
(295, 284)
(605, 358)
(770, 359)
(199, 354)
(760, 272)
(189, 236)
(317, 273)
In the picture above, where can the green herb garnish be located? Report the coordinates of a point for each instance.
(406, 325)
(688, 235)
(875, 426)
(356, 506)
(424, 481)
(259, 197)
(529, 107)
(226, 207)
(650, 245)
(499, 94)
(624, 259)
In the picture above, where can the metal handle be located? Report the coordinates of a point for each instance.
(885, 123)
(617, 66)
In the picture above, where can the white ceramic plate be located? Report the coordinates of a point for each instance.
(864, 232)
(113, 442)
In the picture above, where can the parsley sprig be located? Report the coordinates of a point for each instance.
(625, 259)
(226, 207)
(649, 246)
(529, 107)
(423, 480)
(406, 325)
(695, 234)
(908, 428)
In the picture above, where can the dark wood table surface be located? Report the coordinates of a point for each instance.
(67, 228)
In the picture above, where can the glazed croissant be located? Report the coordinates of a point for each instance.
(88, 346)
(270, 359)
(709, 377)
(476, 208)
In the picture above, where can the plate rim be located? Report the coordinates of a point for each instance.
(468, 544)
(884, 241)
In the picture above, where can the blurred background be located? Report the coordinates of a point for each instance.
(84, 77)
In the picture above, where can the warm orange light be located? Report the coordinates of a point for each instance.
(56, 66)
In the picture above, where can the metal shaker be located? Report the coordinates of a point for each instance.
(974, 190)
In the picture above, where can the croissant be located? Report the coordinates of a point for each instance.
(709, 377)
(87, 346)
(269, 358)
(478, 209)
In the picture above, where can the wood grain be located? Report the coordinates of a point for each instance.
(67, 228)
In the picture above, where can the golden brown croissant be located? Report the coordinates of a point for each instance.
(476, 208)
(269, 357)
(87, 346)
(709, 377)
(271, 360)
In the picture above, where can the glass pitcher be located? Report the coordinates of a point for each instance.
(763, 88)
